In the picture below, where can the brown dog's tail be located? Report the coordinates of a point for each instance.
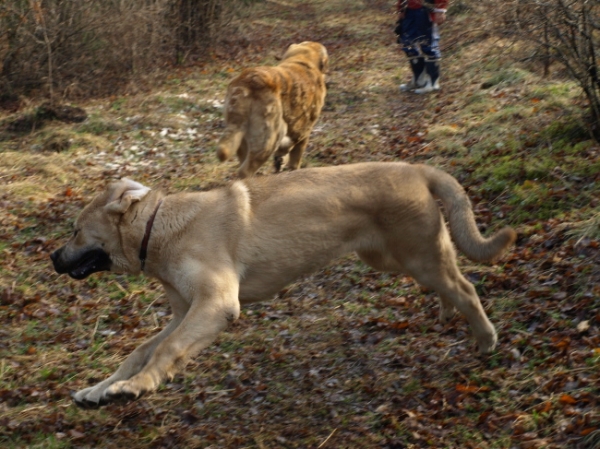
(462, 220)
(237, 105)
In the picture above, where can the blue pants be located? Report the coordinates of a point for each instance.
(420, 36)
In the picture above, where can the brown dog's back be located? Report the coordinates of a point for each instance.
(269, 109)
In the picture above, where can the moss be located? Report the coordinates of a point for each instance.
(565, 132)
(98, 126)
(507, 76)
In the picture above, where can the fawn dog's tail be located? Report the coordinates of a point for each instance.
(460, 215)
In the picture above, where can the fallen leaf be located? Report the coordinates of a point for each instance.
(545, 407)
(567, 399)
(75, 434)
(583, 326)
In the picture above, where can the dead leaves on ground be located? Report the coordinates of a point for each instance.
(345, 358)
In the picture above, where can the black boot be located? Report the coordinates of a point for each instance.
(431, 78)
(417, 65)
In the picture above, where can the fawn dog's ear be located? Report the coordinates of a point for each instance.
(123, 193)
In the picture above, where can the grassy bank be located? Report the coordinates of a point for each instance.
(348, 357)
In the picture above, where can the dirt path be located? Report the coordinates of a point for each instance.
(346, 358)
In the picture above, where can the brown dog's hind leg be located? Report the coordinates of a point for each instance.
(252, 163)
(260, 144)
(296, 154)
(242, 152)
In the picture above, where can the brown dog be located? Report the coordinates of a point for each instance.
(216, 250)
(273, 109)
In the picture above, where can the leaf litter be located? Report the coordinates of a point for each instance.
(344, 358)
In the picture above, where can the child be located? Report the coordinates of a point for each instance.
(419, 35)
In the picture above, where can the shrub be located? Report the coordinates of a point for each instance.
(71, 48)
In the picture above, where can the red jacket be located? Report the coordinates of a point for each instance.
(414, 4)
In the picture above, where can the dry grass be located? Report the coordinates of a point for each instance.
(346, 358)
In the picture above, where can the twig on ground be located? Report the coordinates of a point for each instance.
(326, 439)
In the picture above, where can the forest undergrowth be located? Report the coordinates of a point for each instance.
(347, 357)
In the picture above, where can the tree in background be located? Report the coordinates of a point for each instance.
(70, 48)
(567, 31)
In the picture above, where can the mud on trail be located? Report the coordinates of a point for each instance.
(347, 357)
